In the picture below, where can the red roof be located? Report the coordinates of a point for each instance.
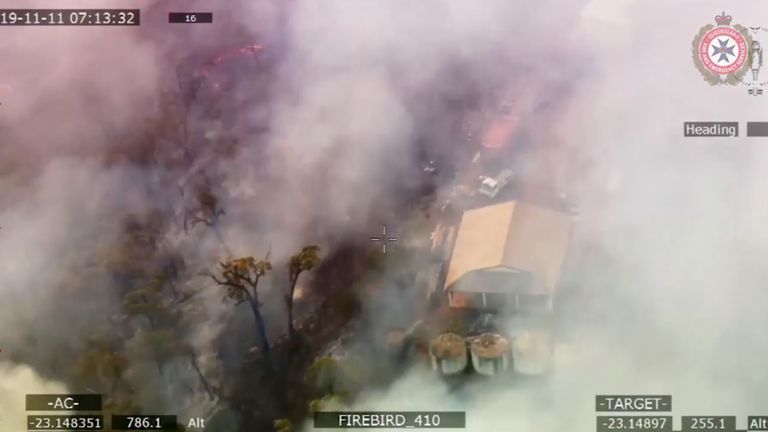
(501, 131)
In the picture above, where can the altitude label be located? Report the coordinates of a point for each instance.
(757, 423)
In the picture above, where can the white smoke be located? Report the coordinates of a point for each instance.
(671, 227)
(666, 252)
(69, 95)
(355, 84)
(15, 383)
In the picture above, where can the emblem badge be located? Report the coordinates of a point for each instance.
(721, 52)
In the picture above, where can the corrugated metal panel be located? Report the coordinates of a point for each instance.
(481, 240)
(514, 235)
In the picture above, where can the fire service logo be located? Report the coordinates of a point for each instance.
(722, 53)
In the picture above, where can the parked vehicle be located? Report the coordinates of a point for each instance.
(491, 186)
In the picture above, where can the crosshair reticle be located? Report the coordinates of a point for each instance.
(384, 239)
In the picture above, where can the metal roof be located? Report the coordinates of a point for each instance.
(514, 238)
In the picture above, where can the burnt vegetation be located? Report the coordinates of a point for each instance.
(161, 287)
(164, 284)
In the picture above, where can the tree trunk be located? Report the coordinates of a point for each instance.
(115, 381)
(203, 380)
(158, 362)
(220, 238)
(261, 331)
(155, 350)
(289, 305)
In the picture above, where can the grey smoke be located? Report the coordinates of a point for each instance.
(667, 255)
(672, 228)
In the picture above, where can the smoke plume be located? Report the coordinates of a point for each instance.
(666, 266)
(665, 281)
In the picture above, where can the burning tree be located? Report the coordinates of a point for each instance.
(241, 278)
